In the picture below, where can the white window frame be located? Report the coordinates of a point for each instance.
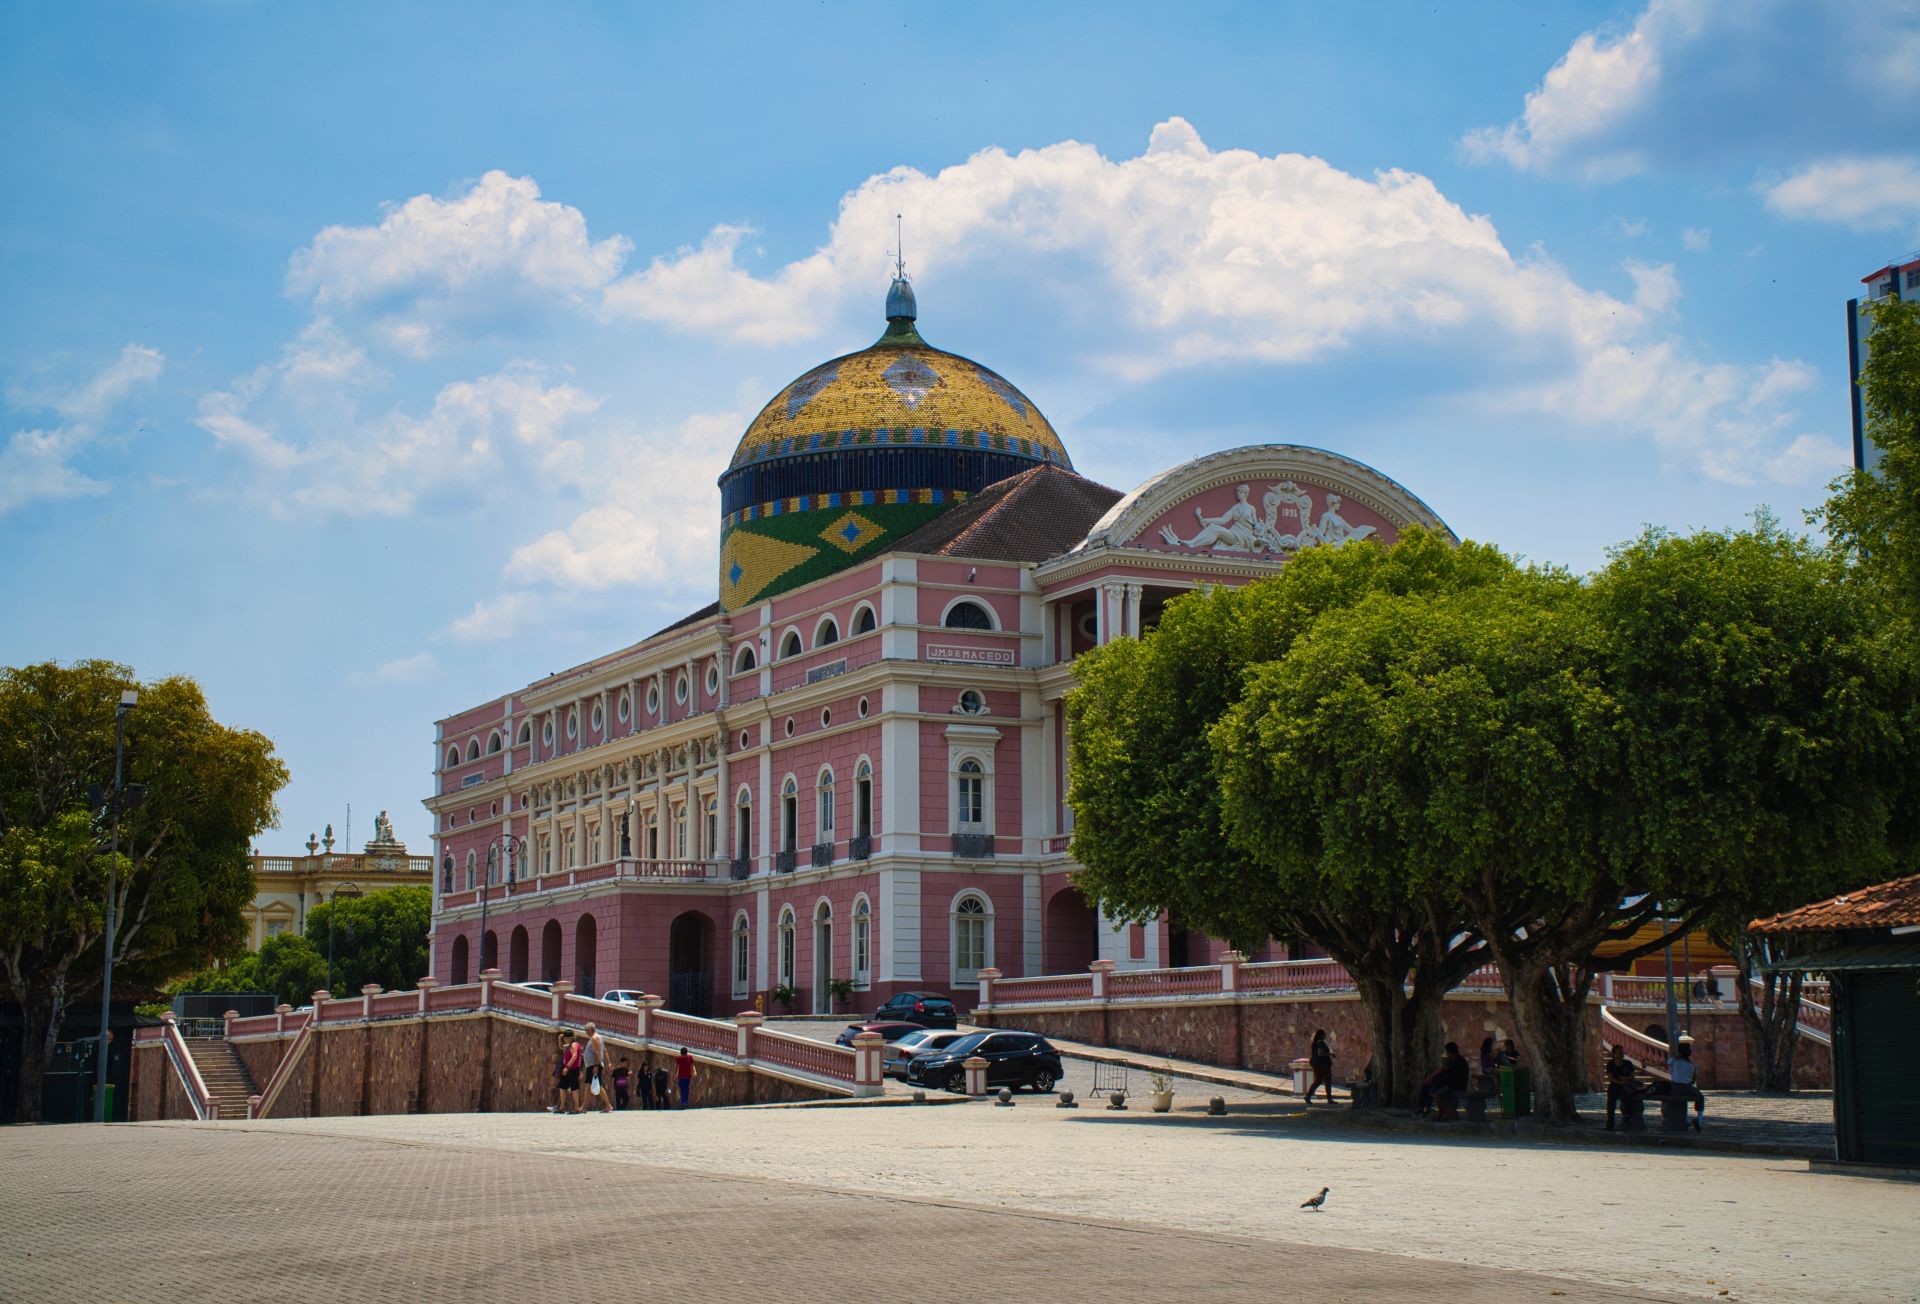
(981, 820)
(820, 629)
(573, 724)
(743, 822)
(786, 946)
(744, 660)
(993, 617)
(863, 779)
(742, 954)
(823, 799)
(956, 916)
(862, 942)
(853, 626)
(790, 814)
(453, 757)
(681, 688)
(792, 632)
(623, 708)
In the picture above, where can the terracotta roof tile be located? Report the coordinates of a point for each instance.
(1031, 517)
(1884, 905)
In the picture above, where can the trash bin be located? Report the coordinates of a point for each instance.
(1516, 1091)
(1302, 1074)
(109, 1115)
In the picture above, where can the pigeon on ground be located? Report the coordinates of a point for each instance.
(1318, 1200)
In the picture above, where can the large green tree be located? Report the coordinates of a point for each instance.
(287, 965)
(183, 875)
(1769, 731)
(377, 938)
(1873, 517)
(1150, 820)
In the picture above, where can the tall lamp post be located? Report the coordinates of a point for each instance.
(122, 796)
(508, 843)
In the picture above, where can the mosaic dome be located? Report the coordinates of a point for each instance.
(863, 449)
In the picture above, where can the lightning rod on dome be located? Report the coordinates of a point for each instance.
(899, 247)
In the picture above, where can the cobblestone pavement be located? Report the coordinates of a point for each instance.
(1803, 1119)
(284, 1212)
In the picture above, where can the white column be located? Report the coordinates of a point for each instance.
(1133, 610)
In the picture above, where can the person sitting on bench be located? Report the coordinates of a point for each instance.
(1621, 1085)
(1685, 1082)
(1445, 1082)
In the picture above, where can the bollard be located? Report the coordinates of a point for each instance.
(976, 1070)
(1217, 1106)
(1066, 1101)
(919, 1097)
(1006, 1097)
(1118, 1100)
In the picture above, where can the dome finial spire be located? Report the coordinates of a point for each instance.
(900, 303)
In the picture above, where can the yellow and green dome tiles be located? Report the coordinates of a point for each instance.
(863, 449)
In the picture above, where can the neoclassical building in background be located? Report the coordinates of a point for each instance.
(852, 765)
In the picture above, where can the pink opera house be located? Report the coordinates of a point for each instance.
(851, 766)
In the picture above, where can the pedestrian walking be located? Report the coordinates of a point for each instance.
(660, 1100)
(683, 1068)
(1320, 1060)
(595, 1067)
(559, 1102)
(645, 1077)
(623, 1085)
(570, 1061)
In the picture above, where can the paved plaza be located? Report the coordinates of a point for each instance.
(973, 1200)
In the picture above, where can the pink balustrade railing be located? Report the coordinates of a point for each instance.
(1056, 987)
(1484, 979)
(277, 1080)
(253, 1025)
(1294, 976)
(1057, 846)
(391, 1005)
(518, 1000)
(1648, 1052)
(341, 1009)
(803, 1054)
(1202, 981)
(149, 1034)
(464, 996)
(189, 1072)
(698, 1034)
(588, 1009)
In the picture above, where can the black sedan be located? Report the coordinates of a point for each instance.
(1014, 1059)
(928, 1009)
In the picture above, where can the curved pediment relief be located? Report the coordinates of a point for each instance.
(1268, 500)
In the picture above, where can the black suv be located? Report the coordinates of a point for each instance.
(928, 1009)
(1014, 1059)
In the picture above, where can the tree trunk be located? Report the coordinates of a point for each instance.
(1405, 1031)
(40, 1015)
(1773, 1026)
(1552, 1034)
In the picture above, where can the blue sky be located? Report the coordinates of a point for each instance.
(366, 361)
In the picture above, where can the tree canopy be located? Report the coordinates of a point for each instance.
(183, 876)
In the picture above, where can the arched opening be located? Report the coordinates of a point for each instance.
(517, 954)
(1070, 936)
(829, 632)
(493, 742)
(459, 960)
(972, 937)
(863, 621)
(742, 956)
(968, 615)
(585, 945)
(473, 749)
(744, 661)
(489, 951)
(823, 958)
(790, 645)
(453, 757)
(862, 943)
(550, 952)
(689, 964)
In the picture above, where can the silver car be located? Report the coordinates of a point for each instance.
(894, 1057)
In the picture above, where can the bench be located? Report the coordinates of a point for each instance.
(1633, 1116)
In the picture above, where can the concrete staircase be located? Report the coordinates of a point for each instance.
(225, 1074)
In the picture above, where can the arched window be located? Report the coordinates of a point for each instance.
(823, 805)
(569, 851)
(743, 660)
(493, 742)
(863, 800)
(473, 749)
(862, 943)
(453, 757)
(969, 803)
(972, 938)
(790, 645)
(473, 870)
(525, 735)
(827, 632)
(968, 615)
(863, 621)
(743, 825)
(710, 829)
(786, 947)
(790, 815)
(742, 954)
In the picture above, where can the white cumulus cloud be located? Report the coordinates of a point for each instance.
(1868, 194)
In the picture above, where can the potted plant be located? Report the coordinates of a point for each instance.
(784, 996)
(840, 990)
(1161, 1080)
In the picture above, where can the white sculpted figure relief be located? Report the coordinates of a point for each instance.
(1241, 529)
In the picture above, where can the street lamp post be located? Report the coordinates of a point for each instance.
(510, 844)
(1673, 1008)
(128, 698)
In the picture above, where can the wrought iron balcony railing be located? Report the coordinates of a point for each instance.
(822, 855)
(784, 861)
(860, 847)
(973, 846)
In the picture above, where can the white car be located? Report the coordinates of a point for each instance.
(894, 1057)
(623, 995)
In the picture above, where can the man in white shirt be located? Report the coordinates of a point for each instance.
(1686, 1081)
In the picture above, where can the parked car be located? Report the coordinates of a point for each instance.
(928, 1009)
(923, 1041)
(1014, 1059)
(623, 995)
(890, 1029)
